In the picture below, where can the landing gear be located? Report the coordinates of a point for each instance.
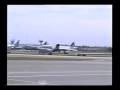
(81, 54)
(50, 53)
(65, 52)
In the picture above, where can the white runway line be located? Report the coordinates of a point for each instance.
(31, 82)
(42, 82)
(22, 81)
(64, 75)
(58, 72)
(76, 62)
(68, 64)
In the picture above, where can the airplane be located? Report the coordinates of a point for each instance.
(57, 48)
(65, 48)
(38, 47)
(14, 46)
(43, 48)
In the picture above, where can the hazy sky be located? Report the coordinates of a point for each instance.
(83, 24)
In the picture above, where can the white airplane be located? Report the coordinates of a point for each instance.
(65, 48)
(37, 47)
(43, 48)
(13, 45)
(57, 48)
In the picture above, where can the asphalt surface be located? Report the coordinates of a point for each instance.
(35, 72)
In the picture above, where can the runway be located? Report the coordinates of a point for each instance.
(35, 72)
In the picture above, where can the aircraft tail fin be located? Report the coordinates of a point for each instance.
(17, 43)
(12, 42)
(56, 47)
(72, 44)
(45, 43)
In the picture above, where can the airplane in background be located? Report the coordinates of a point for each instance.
(13, 45)
(38, 47)
(49, 49)
(43, 48)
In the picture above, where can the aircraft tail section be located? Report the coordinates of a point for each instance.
(17, 43)
(72, 44)
(56, 47)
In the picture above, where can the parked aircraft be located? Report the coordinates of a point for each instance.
(43, 48)
(13, 45)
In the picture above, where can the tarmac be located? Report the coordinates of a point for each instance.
(60, 72)
(53, 57)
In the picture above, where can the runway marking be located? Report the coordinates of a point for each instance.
(58, 72)
(36, 83)
(42, 82)
(22, 81)
(57, 65)
(76, 62)
(63, 75)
